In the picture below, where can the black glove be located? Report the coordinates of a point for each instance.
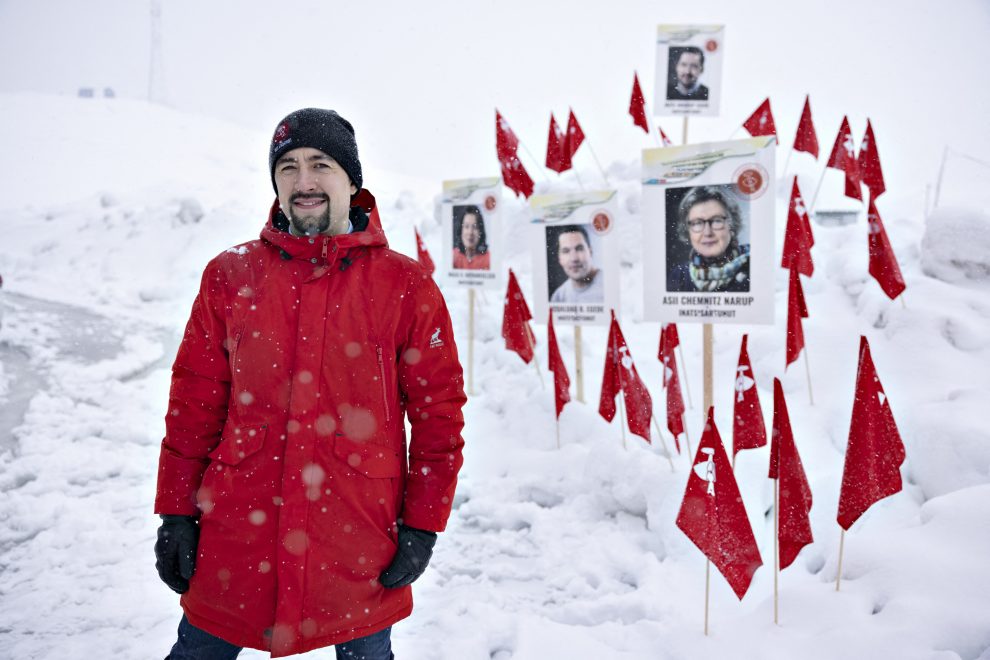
(176, 551)
(415, 550)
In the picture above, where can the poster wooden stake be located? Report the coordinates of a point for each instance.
(470, 359)
(838, 574)
(663, 443)
(684, 378)
(684, 133)
(708, 337)
(578, 365)
(776, 545)
(807, 368)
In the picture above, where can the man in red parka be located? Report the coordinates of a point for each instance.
(294, 516)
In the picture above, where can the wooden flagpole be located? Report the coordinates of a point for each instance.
(807, 368)
(708, 581)
(580, 185)
(622, 418)
(536, 361)
(578, 365)
(814, 200)
(539, 165)
(600, 168)
(470, 360)
(707, 403)
(776, 543)
(687, 387)
(664, 443)
(558, 424)
(787, 163)
(838, 575)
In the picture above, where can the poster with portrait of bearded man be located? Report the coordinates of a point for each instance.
(689, 70)
(708, 237)
(575, 257)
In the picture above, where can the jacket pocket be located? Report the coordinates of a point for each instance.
(239, 442)
(371, 460)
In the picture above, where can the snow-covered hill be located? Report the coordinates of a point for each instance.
(550, 553)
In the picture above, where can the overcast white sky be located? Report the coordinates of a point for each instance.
(420, 81)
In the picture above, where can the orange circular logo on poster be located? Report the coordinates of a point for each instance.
(601, 222)
(751, 180)
(711, 45)
(490, 203)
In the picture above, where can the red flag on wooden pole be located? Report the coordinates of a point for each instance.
(558, 155)
(518, 335)
(575, 136)
(637, 105)
(514, 175)
(620, 375)
(869, 163)
(797, 309)
(875, 452)
(761, 121)
(664, 139)
(712, 514)
(843, 157)
(794, 523)
(423, 255)
(806, 139)
(798, 238)
(883, 263)
(561, 381)
(675, 402)
(749, 431)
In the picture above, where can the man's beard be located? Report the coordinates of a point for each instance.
(310, 225)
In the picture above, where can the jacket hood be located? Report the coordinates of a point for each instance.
(319, 248)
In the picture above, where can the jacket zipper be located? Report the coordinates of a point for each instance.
(233, 355)
(381, 373)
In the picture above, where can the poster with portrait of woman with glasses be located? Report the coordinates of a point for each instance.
(470, 216)
(708, 218)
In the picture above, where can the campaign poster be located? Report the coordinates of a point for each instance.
(689, 70)
(708, 232)
(575, 257)
(471, 229)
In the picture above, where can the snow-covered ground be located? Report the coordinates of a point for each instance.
(550, 553)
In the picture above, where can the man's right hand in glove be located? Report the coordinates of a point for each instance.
(175, 551)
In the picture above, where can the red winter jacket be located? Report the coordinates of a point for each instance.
(285, 430)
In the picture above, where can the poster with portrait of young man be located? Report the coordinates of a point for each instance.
(708, 231)
(689, 70)
(575, 257)
(471, 233)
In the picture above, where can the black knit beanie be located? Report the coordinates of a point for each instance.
(320, 129)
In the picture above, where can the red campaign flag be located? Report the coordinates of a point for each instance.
(796, 310)
(794, 499)
(806, 139)
(798, 238)
(843, 157)
(637, 105)
(875, 452)
(575, 136)
(558, 157)
(561, 381)
(749, 431)
(675, 402)
(761, 121)
(869, 163)
(423, 255)
(712, 514)
(664, 139)
(620, 375)
(518, 335)
(514, 175)
(883, 263)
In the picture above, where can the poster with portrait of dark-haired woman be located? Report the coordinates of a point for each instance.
(470, 217)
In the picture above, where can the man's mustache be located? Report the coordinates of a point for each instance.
(296, 196)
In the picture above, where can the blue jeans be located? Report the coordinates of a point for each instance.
(196, 644)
